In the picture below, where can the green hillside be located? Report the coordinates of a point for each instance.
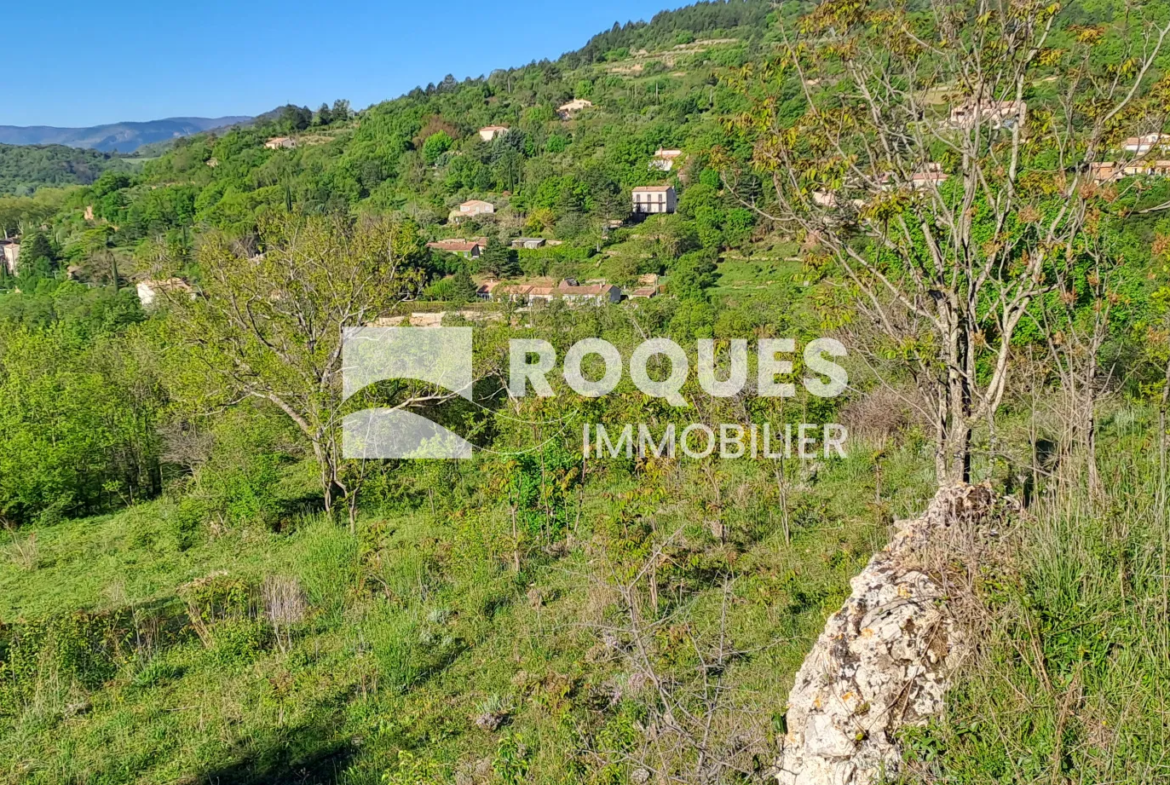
(24, 169)
(199, 584)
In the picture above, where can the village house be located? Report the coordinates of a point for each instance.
(470, 209)
(1147, 168)
(663, 160)
(485, 289)
(567, 110)
(998, 114)
(281, 143)
(10, 250)
(589, 293)
(929, 175)
(542, 290)
(528, 243)
(149, 291)
(649, 199)
(1145, 144)
(648, 286)
(490, 132)
(1104, 171)
(469, 249)
(523, 293)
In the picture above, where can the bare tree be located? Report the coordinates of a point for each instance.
(1075, 320)
(915, 163)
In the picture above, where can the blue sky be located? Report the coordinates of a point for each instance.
(137, 60)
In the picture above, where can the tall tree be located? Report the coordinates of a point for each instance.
(947, 224)
(269, 325)
(38, 260)
(500, 260)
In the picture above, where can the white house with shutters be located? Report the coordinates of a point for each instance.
(651, 199)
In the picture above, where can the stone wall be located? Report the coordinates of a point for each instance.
(886, 657)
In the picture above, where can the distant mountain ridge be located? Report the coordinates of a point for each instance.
(123, 137)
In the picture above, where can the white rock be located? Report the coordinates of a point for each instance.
(884, 660)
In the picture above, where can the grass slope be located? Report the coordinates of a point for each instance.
(412, 633)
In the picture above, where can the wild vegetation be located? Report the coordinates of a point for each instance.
(196, 585)
(25, 169)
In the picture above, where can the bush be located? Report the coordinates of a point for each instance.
(76, 434)
(184, 521)
(57, 656)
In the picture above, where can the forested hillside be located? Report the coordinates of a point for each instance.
(25, 169)
(198, 584)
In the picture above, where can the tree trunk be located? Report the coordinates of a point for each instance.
(956, 465)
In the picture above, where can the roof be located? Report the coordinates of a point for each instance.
(455, 246)
(1147, 139)
(653, 189)
(545, 288)
(589, 290)
(476, 203)
(494, 128)
(527, 290)
(661, 153)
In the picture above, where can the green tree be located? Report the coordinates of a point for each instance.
(38, 260)
(500, 260)
(77, 421)
(269, 327)
(693, 274)
(296, 118)
(457, 288)
(435, 145)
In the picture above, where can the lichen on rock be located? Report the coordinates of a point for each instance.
(885, 659)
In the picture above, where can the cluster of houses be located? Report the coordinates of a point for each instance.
(1005, 114)
(645, 200)
(568, 290)
(1141, 146)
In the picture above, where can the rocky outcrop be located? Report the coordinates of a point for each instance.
(885, 658)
